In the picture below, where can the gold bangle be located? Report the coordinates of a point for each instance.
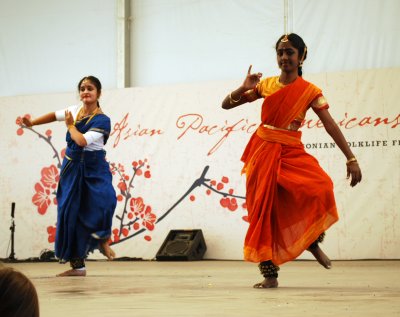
(69, 126)
(232, 101)
(351, 160)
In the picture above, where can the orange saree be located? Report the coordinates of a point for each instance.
(289, 197)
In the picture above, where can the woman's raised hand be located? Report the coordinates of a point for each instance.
(251, 79)
(69, 120)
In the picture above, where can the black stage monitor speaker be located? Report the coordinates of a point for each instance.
(182, 245)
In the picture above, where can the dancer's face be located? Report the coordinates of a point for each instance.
(288, 57)
(88, 92)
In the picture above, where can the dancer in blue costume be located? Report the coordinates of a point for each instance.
(85, 195)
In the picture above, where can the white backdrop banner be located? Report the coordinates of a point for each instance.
(175, 156)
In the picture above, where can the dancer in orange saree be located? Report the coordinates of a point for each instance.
(289, 197)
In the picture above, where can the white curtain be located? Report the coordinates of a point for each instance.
(47, 46)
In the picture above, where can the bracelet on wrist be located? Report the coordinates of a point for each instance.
(232, 101)
(70, 126)
(351, 160)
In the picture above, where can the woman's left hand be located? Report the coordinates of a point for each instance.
(27, 122)
(69, 120)
(353, 170)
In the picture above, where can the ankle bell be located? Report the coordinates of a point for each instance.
(268, 269)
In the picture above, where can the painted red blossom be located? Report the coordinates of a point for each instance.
(139, 209)
(45, 190)
(51, 230)
(148, 219)
(42, 198)
(50, 176)
(137, 205)
(18, 121)
(229, 203)
(136, 216)
(228, 200)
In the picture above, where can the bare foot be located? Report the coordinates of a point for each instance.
(269, 282)
(321, 257)
(106, 250)
(72, 272)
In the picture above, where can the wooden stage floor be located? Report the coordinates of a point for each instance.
(217, 288)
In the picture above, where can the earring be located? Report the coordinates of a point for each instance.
(303, 56)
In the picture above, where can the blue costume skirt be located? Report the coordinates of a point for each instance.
(86, 203)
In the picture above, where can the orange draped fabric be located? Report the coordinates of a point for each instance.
(289, 197)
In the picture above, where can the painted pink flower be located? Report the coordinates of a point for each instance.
(122, 186)
(229, 203)
(125, 232)
(121, 168)
(148, 219)
(51, 230)
(42, 198)
(115, 235)
(18, 121)
(50, 176)
(147, 174)
(137, 205)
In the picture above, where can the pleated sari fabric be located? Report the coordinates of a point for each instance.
(85, 195)
(289, 197)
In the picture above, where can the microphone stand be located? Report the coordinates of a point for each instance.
(12, 228)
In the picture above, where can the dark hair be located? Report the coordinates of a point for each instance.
(299, 44)
(95, 81)
(18, 296)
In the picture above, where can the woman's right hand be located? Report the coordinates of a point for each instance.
(235, 99)
(27, 122)
(251, 80)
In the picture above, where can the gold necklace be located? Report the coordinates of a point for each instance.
(83, 115)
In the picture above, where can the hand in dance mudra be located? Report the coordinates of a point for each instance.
(251, 80)
(69, 119)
